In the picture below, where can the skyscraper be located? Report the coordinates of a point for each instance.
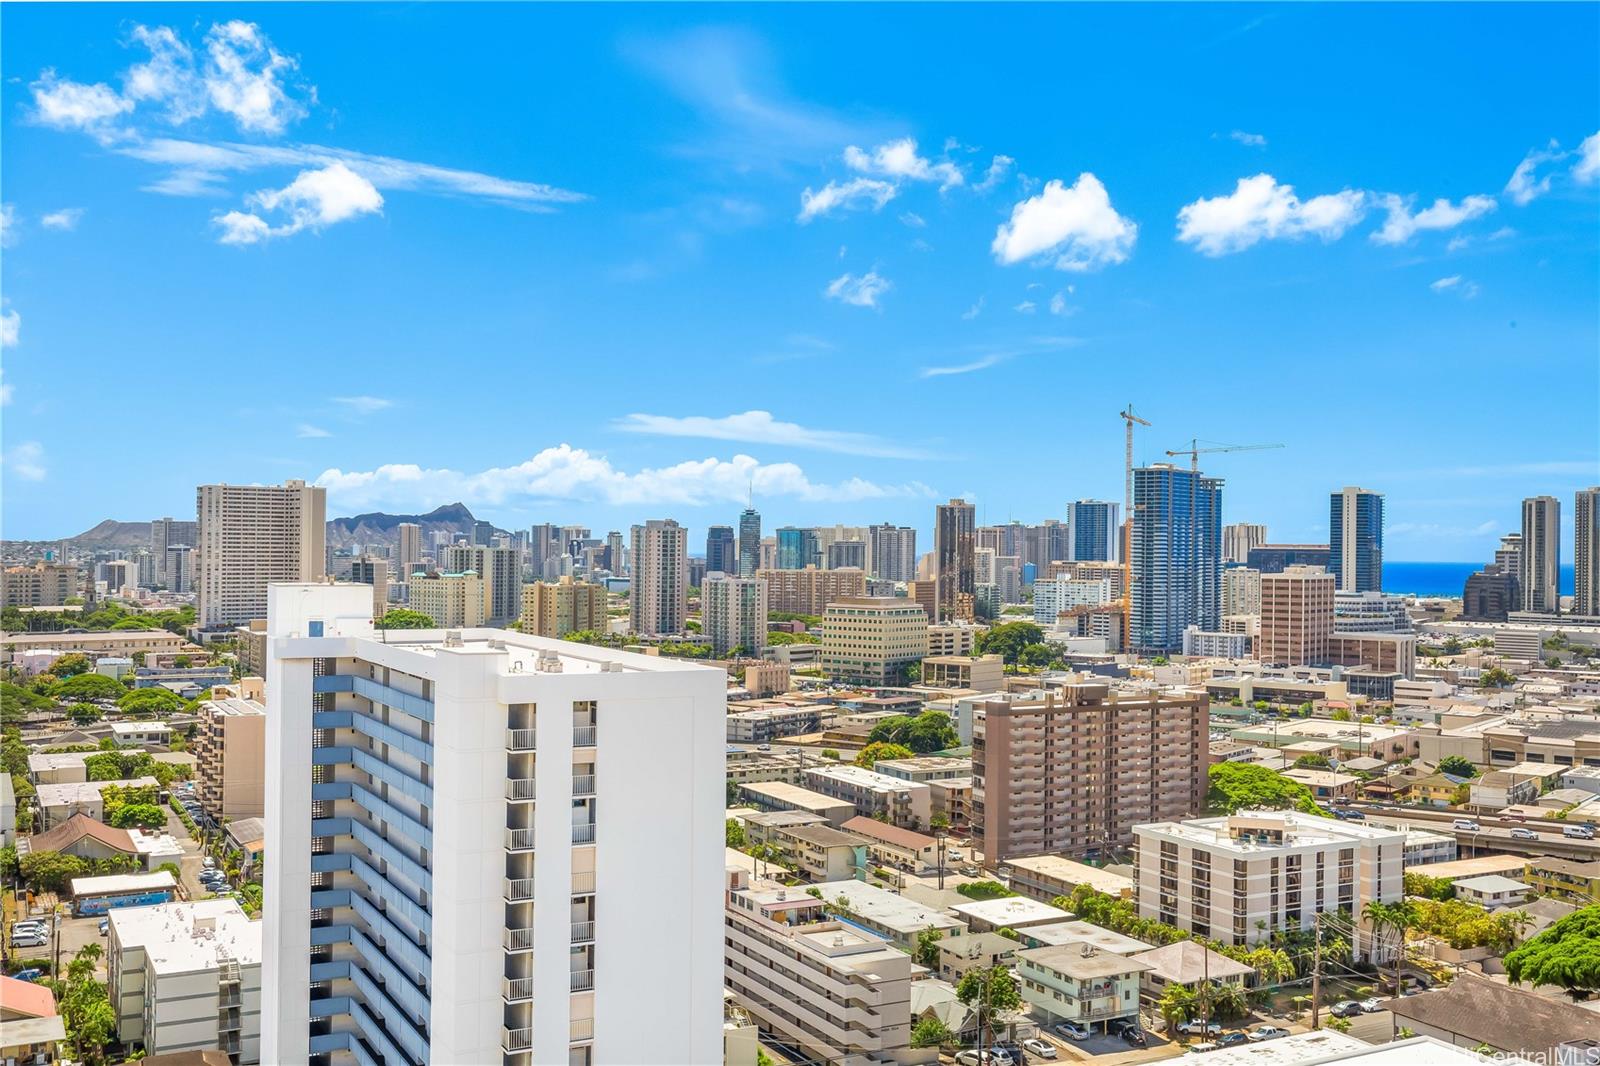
(734, 610)
(501, 574)
(1176, 555)
(953, 544)
(1541, 554)
(892, 552)
(1296, 616)
(164, 533)
(1092, 528)
(1586, 552)
(409, 551)
(1238, 539)
(404, 798)
(1355, 539)
(658, 591)
(797, 548)
(722, 551)
(749, 542)
(249, 536)
(544, 543)
(616, 554)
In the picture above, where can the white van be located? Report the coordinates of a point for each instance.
(1579, 832)
(1467, 824)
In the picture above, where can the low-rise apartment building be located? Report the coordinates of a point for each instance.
(762, 725)
(907, 804)
(772, 795)
(124, 644)
(819, 851)
(982, 673)
(57, 803)
(889, 845)
(1076, 983)
(953, 638)
(925, 768)
(1238, 879)
(1575, 882)
(230, 744)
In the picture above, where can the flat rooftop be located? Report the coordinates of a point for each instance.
(1012, 911)
(235, 707)
(1079, 932)
(1300, 830)
(189, 937)
(85, 791)
(1070, 959)
(879, 906)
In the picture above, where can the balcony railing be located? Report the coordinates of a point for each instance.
(583, 736)
(582, 932)
(518, 939)
(516, 989)
(519, 739)
(582, 882)
(582, 1029)
(519, 839)
(583, 785)
(516, 1039)
(582, 980)
(519, 888)
(518, 788)
(583, 834)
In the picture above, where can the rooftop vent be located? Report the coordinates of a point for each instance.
(496, 644)
(452, 638)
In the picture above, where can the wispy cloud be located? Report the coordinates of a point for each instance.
(1026, 307)
(1249, 140)
(999, 167)
(10, 328)
(306, 431)
(760, 427)
(567, 473)
(975, 365)
(844, 196)
(899, 160)
(65, 219)
(25, 460)
(8, 225)
(1401, 225)
(363, 405)
(862, 291)
(974, 311)
(1587, 169)
(1455, 283)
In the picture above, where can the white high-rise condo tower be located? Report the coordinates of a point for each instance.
(487, 847)
(1541, 554)
(249, 536)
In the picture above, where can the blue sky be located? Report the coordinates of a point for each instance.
(599, 264)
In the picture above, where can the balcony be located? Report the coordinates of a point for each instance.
(519, 839)
(583, 736)
(582, 932)
(519, 740)
(582, 785)
(514, 1040)
(582, 980)
(520, 788)
(518, 939)
(583, 882)
(518, 888)
(516, 989)
(581, 1029)
(583, 834)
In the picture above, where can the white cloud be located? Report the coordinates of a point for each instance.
(998, 168)
(1074, 228)
(961, 368)
(244, 78)
(5, 393)
(899, 159)
(759, 427)
(73, 105)
(1249, 140)
(1026, 307)
(1401, 225)
(1446, 283)
(307, 431)
(363, 405)
(26, 460)
(1525, 184)
(1059, 305)
(315, 199)
(912, 219)
(1455, 283)
(65, 219)
(567, 473)
(1587, 168)
(847, 195)
(8, 225)
(1258, 209)
(856, 291)
(167, 78)
(974, 311)
(10, 328)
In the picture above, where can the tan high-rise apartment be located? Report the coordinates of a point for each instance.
(453, 601)
(1239, 538)
(659, 589)
(1541, 554)
(554, 609)
(230, 750)
(809, 591)
(1241, 591)
(872, 640)
(250, 536)
(408, 553)
(1076, 768)
(1296, 616)
(43, 584)
(927, 594)
(501, 572)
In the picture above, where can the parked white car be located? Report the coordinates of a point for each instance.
(1265, 1032)
(1073, 1031)
(1042, 1048)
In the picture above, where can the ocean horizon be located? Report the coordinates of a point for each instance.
(1444, 579)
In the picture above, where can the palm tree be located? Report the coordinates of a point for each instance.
(1400, 917)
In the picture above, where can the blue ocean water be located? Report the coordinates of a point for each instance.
(1443, 579)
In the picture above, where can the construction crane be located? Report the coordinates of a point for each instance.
(1194, 452)
(1129, 418)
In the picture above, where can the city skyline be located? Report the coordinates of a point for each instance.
(1018, 271)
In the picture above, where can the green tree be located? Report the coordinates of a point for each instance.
(989, 991)
(1245, 786)
(1457, 766)
(830, 753)
(83, 712)
(927, 952)
(1312, 761)
(1008, 639)
(981, 890)
(931, 1032)
(149, 703)
(1434, 888)
(1398, 918)
(16, 702)
(71, 665)
(928, 731)
(733, 834)
(1566, 955)
(88, 687)
(1340, 715)
(880, 750)
(1177, 1005)
(137, 815)
(1494, 677)
(401, 618)
(51, 871)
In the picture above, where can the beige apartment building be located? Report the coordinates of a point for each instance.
(871, 640)
(43, 584)
(841, 994)
(230, 749)
(1383, 652)
(925, 592)
(501, 573)
(250, 536)
(554, 609)
(908, 804)
(809, 591)
(123, 644)
(985, 673)
(453, 601)
(1239, 879)
(953, 638)
(1076, 768)
(1296, 616)
(659, 588)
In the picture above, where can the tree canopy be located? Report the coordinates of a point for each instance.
(922, 733)
(1457, 766)
(1244, 786)
(1008, 639)
(1566, 955)
(71, 665)
(402, 618)
(149, 703)
(88, 687)
(882, 750)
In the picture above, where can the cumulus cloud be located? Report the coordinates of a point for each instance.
(73, 105)
(1587, 169)
(862, 291)
(25, 460)
(1071, 227)
(760, 427)
(1249, 140)
(899, 160)
(1401, 225)
(1260, 208)
(314, 200)
(244, 77)
(845, 196)
(10, 328)
(65, 219)
(567, 473)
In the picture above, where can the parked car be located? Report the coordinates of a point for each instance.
(33, 973)
(986, 1057)
(1073, 1031)
(954, 855)
(1265, 1032)
(1345, 1008)
(1354, 815)
(1042, 1048)
(1519, 832)
(105, 926)
(29, 940)
(1371, 1006)
(1134, 1036)
(208, 863)
(969, 871)
(1230, 1039)
(1200, 1029)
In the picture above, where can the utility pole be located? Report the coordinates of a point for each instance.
(1316, 967)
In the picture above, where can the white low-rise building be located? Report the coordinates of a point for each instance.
(138, 734)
